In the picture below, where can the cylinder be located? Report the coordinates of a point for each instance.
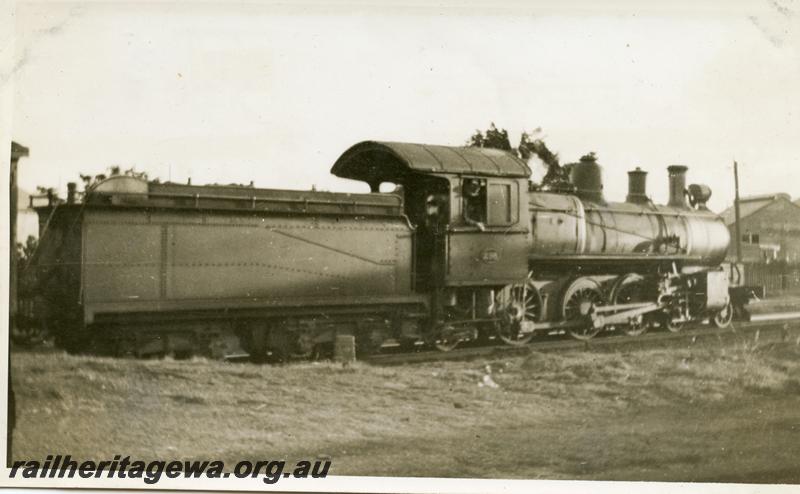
(72, 188)
(637, 186)
(677, 186)
(587, 176)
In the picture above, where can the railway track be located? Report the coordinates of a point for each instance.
(765, 327)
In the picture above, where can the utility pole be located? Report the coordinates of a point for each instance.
(738, 230)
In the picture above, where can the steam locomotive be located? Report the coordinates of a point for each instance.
(464, 248)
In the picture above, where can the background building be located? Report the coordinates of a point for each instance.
(770, 236)
(770, 228)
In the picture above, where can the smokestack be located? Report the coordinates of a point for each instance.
(637, 186)
(72, 187)
(677, 186)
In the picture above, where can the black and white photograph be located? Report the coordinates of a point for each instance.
(352, 246)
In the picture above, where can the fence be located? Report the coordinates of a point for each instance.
(777, 278)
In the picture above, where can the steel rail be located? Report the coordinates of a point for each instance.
(781, 323)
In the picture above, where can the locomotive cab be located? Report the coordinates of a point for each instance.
(466, 204)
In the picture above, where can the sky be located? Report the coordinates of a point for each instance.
(230, 93)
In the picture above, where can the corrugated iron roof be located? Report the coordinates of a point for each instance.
(372, 159)
(752, 204)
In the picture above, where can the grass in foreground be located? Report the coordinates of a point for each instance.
(715, 413)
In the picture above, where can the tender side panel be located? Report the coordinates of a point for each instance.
(279, 258)
(122, 258)
(148, 261)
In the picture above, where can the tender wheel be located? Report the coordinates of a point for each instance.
(580, 300)
(520, 306)
(723, 318)
(631, 289)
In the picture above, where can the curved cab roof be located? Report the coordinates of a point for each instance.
(375, 162)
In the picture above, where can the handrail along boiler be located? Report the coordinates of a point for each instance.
(465, 248)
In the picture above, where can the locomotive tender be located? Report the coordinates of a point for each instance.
(465, 248)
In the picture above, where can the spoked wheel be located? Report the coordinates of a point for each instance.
(520, 306)
(631, 289)
(579, 303)
(723, 318)
(672, 324)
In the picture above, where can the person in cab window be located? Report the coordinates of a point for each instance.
(474, 191)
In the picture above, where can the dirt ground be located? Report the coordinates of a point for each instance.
(716, 411)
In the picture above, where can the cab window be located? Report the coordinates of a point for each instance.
(489, 203)
(502, 207)
(473, 191)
